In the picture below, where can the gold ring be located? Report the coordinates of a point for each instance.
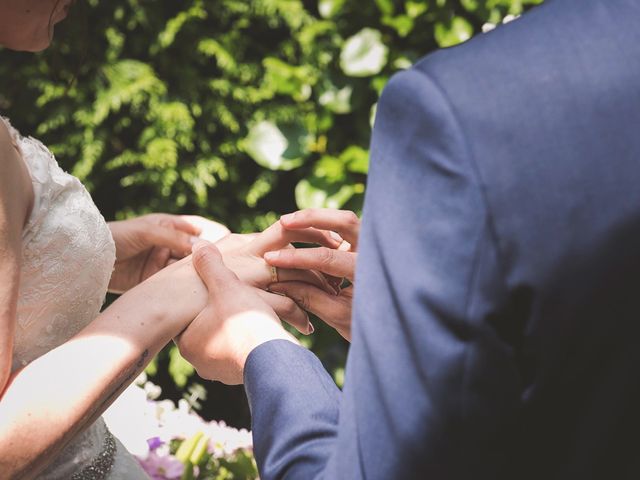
(274, 274)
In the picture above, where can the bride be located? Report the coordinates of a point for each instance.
(62, 362)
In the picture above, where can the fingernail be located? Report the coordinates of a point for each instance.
(194, 240)
(344, 246)
(336, 237)
(310, 329)
(289, 217)
(271, 256)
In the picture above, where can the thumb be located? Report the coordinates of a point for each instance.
(207, 261)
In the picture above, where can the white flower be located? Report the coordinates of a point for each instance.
(487, 27)
(134, 419)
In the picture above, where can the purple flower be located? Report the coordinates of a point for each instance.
(162, 468)
(154, 443)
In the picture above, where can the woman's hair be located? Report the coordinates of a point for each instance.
(76, 31)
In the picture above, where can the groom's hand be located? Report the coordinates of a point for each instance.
(338, 263)
(235, 321)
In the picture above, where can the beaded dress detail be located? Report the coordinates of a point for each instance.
(68, 256)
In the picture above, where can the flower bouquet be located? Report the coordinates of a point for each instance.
(174, 443)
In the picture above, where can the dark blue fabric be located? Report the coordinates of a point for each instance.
(497, 310)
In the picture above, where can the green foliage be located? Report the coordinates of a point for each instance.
(194, 453)
(237, 110)
(179, 369)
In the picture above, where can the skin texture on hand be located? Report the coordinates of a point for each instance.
(335, 310)
(243, 254)
(235, 321)
(147, 244)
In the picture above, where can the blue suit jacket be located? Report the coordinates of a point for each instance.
(497, 311)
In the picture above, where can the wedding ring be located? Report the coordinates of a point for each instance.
(274, 275)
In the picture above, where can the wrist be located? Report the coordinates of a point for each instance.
(172, 298)
(259, 332)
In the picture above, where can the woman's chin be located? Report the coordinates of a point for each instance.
(34, 41)
(33, 46)
(38, 45)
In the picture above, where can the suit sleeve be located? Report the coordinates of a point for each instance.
(431, 390)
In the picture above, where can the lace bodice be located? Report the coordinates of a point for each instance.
(67, 259)
(68, 256)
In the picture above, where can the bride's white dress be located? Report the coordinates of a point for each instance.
(67, 260)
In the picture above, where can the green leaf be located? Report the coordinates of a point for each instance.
(385, 6)
(269, 147)
(470, 5)
(152, 368)
(186, 448)
(161, 154)
(402, 24)
(212, 48)
(318, 193)
(285, 79)
(337, 100)
(330, 8)
(414, 9)
(179, 369)
(199, 450)
(356, 159)
(261, 187)
(330, 169)
(456, 31)
(364, 54)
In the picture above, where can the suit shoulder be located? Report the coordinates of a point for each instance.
(553, 39)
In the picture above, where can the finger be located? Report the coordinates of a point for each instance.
(335, 282)
(344, 222)
(178, 242)
(324, 306)
(207, 229)
(325, 260)
(276, 237)
(288, 311)
(207, 261)
(306, 276)
(182, 223)
(313, 235)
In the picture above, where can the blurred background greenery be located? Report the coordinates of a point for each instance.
(232, 109)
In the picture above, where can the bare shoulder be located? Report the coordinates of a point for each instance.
(16, 192)
(15, 199)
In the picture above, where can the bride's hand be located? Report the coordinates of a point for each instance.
(147, 244)
(244, 255)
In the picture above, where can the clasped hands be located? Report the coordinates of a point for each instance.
(245, 307)
(254, 281)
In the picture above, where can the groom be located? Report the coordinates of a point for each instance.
(496, 331)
